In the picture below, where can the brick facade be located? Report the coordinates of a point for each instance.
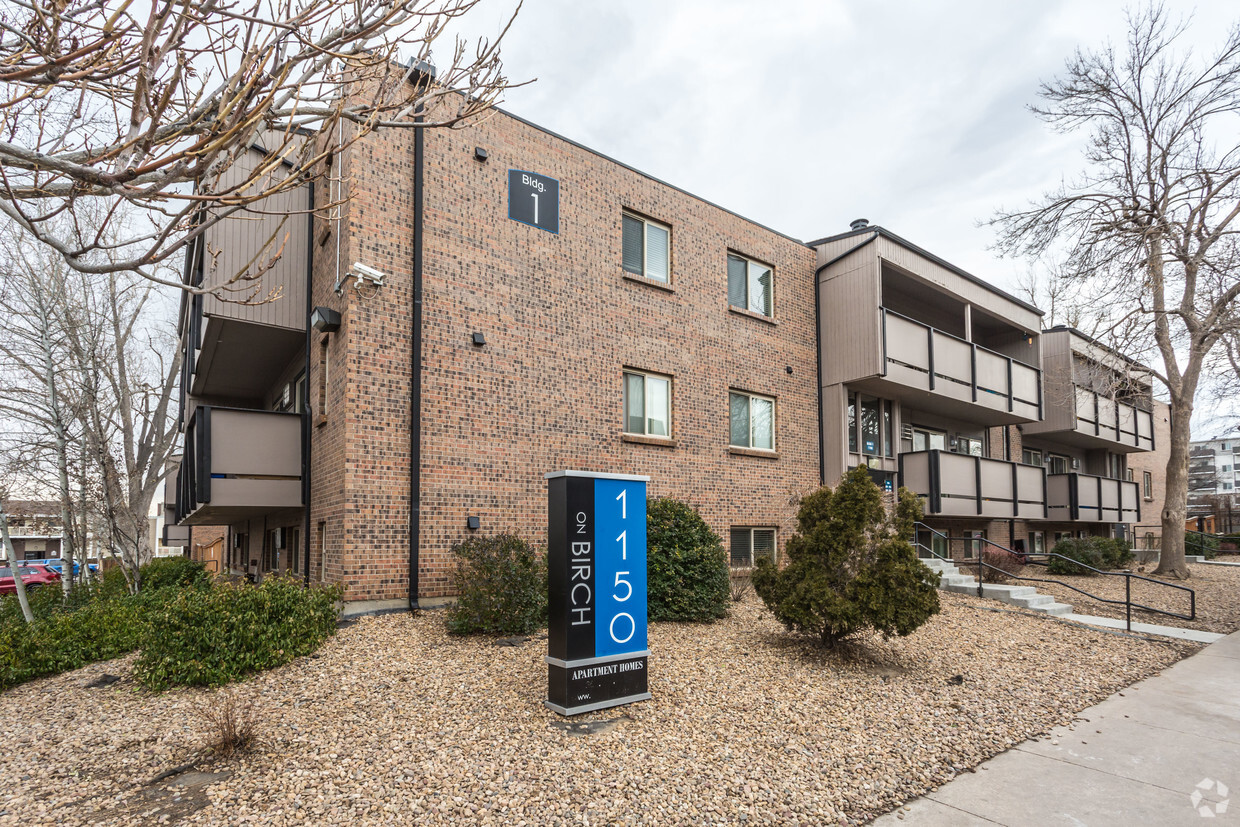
(562, 320)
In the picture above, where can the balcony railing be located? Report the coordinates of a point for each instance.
(923, 357)
(238, 462)
(963, 485)
(1090, 499)
(1110, 419)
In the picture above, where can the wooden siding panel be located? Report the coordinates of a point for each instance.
(851, 322)
(246, 242)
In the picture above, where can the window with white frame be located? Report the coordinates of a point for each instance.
(751, 285)
(647, 404)
(752, 421)
(752, 544)
(1148, 484)
(647, 248)
(1031, 456)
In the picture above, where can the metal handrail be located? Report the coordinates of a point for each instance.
(1128, 576)
(1196, 543)
(917, 543)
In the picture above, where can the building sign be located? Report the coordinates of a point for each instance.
(534, 199)
(596, 584)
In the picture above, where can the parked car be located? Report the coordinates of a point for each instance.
(58, 565)
(33, 576)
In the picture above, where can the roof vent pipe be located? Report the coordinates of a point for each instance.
(859, 224)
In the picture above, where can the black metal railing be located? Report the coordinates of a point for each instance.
(1044, 558)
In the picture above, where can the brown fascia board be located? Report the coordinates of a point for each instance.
(926, 254)
(1133, 362)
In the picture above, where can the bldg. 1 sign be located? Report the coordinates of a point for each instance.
(596, 583)
(534, 199)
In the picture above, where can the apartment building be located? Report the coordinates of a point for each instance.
(942, 383)
(1214, 480)
(464, 311)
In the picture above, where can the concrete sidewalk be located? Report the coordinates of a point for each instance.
(1135, 759)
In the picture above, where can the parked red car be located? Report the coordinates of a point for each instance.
(32, 576)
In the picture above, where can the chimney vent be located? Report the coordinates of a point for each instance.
(859, 224)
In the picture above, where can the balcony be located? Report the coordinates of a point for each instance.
(996, 389)
(1112, 422)
(1090, 499)
(962, 485)
(238, 464)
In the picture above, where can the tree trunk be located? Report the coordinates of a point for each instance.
(1171, 563)
(13, 567)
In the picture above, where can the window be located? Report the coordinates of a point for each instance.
(750, 285)
(1029, 456)
(1037, 540)
(1056, 464)
(869, 425)
(975, 541)
(925, 439)
(752, 421)
(751, 544)
(1147, 484)
(970, 446)
(646, 248)
(647, 404)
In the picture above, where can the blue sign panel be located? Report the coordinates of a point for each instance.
(596, 591)
(620, 566)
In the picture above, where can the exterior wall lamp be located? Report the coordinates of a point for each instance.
(325, 320)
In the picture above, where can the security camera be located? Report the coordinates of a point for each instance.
(367, 273)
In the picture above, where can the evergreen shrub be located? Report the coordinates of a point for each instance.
(502, 585)
(686, 564)
(851, 566)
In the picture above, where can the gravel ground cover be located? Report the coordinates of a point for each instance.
(1217, 589)
(396, 722)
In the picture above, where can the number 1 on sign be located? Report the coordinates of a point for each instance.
(624, 503)
(534, 195)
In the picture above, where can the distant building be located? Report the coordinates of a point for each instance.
(1213, 478)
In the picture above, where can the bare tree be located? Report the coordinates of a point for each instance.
(149, 105)
(35, 372)
(1151, 226)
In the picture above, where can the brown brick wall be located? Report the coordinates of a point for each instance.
(561, 322)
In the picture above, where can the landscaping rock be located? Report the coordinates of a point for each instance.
(398, 722)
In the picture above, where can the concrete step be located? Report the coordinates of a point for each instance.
(1031, 601)
(1003, 591)
(1056, 609)
(967, 587)
(955, 580)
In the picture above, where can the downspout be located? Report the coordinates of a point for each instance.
(415, 376)
(306, 423)
(822, 443)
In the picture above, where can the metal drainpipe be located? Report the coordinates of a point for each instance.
(306, 423)
(415, 424)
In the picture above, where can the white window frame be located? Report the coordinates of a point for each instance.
(751, 397)
(646, 225)
(624, 403)
(750, 264)
(751, 529)
(1147, 485)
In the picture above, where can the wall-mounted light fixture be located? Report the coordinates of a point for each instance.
(478, 339)
(481, 154)
(472, 523)
(325, 320)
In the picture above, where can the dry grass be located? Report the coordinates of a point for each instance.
(741, 585)
(231, 724)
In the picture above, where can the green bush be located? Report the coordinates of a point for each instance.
(686, 564)
(63, 638)
(1103, 553)
(1205, 545)
(850, 566)
(176, 572)
(502, 585)
(1083, 550)
(211, 636)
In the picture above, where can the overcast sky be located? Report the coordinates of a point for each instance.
(803, 114)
